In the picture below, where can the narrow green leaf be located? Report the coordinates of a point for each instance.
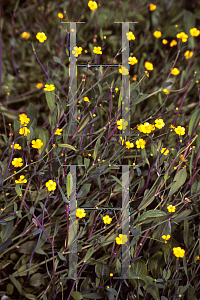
(151, 214)
(50, 97)
(193, 121)
(76, 295)
(61, 256)
(89, 254)
(63, 195)
(179, 180)
(69, 184)
(67, 146)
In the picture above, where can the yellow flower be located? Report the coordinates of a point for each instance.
(92, 5)
(159, 123)
(41, 37)
(86, 99)
(146, 128)
(77, 51)
(80, 213)
(16, 146)
(164, 41)
(180, 130)
(194, 32)
(122, 239)
(148, 66)
(122, 140)
(157, 34)
(23, 119)
(173, 43)
(25, 35)
(175, 71)
(39, 85)
(116, 89)
(97, 50)
(152, 7)
(123, 70)
(51, 185)
(21, 179)
(49, 87)
(146, 73)
(60, 15)
(166, 238)
(171, 208)
(58, 131)
(181, 158)
(122, 124)
(166, 91)
(165, 152)
(17, 162)
(132, 60)
(24, 131)
(140, 143)
(129, 145)
(182, 36)
(37, 144)
(134, 78)
(107, 219)
(188, 54)
(130, 36)
(178, 252)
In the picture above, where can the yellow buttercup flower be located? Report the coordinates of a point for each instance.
(164, 41)
(107, 219)
(86, 99)
(188, 54)
(122, 140)
(152, 7)
(60, 15)
(166, 91)
(182, 36)
(165, 152)
(178, 252)
(51, 185)
(122, 124)
(122, 239)
(159, 123)
(173, 43)
(180, 130)
(148, 66)
(130, 36)
(194, 32)
(166, 238)
(77, 51)
(129, 145)
(58, 131)
(134, 78)
(92, 5)
(39, 85)
(21, 179)
(132, 60)
(80, 213)
(123, 70)
(24, 131)
(171, 208)
(97, 50)
(41, 37)
(49, 87)
(25, 35)
(140, 143)
(116, 89)
(17, 162)
(157, 34)
(175, 71)
(23, 119)
(16, 146)
(37, 144)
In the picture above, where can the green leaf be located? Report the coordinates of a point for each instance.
(193, 121)
(118, 266)
(27, 247)
(32, 114)
(178, 181)
(57, 60)
(186, 233)
(102, 270)
(140, 268)
(61, 256)
(69, 184)
(156, 264)
(139, 99)
(89, 254)
(183, 214)
(18, 190)
(84, 123)
(67, 146)
(116, 179)
(7, 230)
(50, 97)
(95, 296)
(76, 295)
(31, 297)
(84, 190)
(63, 195)
(152, 214)
(101, 34)
(16, 283)
(43, 237)
(96, 147)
